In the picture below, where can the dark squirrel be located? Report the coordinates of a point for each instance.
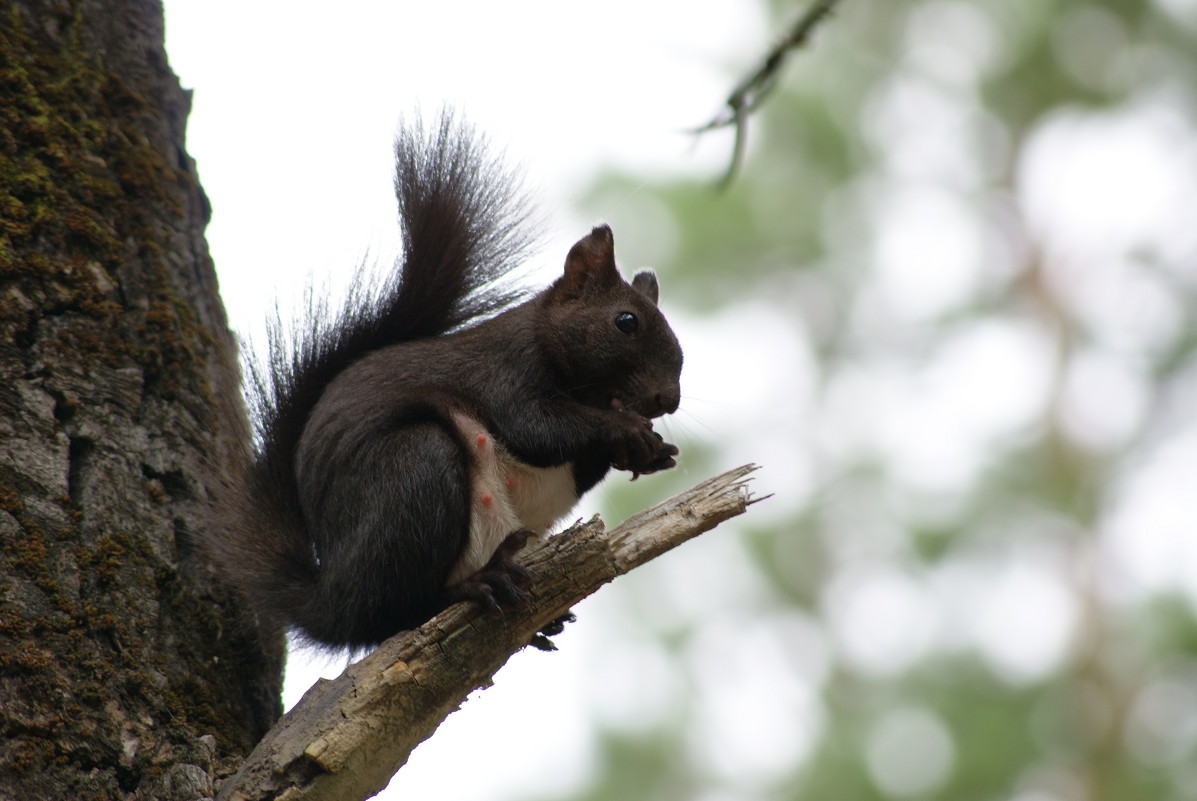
(408, 448)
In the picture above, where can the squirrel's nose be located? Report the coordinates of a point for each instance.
(667, 402)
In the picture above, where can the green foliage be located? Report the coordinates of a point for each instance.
(923, 542)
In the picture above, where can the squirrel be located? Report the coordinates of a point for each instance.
(408, 447)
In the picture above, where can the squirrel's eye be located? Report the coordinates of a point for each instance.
(627, 322)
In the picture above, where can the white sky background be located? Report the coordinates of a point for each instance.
(294, 111)
(295, 107)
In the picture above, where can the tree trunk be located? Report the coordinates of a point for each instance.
(124, 672)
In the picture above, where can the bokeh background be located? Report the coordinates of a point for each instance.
(948, 304)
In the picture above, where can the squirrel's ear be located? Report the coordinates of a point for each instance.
(590, 264)
(646, 282)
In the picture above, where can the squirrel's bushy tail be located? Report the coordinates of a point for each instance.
(466, 227)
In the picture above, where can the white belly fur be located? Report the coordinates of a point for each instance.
(505, 496)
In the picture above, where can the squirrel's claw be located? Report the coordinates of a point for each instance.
(500, 583)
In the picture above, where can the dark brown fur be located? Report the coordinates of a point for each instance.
(358, 503)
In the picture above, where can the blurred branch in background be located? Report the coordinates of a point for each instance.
(751, 92)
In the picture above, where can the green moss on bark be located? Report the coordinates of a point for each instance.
(116, 655)
(76, 178)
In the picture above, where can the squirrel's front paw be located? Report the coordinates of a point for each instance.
(662, 459)
(641, 450)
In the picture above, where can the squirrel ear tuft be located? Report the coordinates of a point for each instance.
(590, 264)
(646, 282)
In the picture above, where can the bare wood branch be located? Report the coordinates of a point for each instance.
(752, 91)
(348, 736)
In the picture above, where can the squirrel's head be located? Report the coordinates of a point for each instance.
(606, 337)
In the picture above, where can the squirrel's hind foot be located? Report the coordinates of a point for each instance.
(501, 582)
(540, 640)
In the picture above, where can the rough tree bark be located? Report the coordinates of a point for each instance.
(123, 672)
